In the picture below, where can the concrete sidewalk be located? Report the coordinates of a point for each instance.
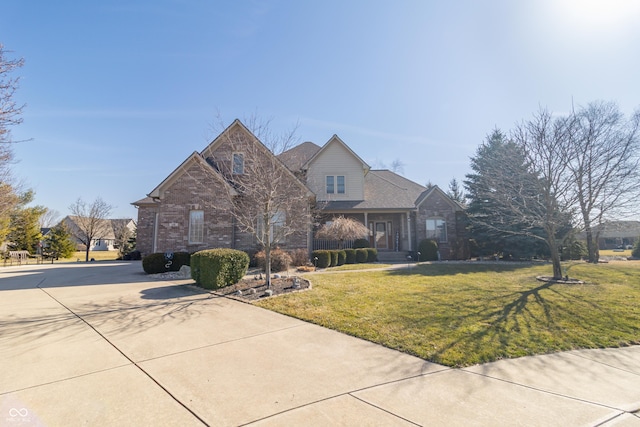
(100, 344)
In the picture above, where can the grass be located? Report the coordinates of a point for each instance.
(97, 255)
(464, 314)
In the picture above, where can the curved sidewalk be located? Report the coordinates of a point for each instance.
(101, 344)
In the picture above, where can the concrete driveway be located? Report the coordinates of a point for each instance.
(103, 344)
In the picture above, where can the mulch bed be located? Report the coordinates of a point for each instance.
(253, 289)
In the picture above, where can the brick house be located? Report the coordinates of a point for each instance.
(190, 209)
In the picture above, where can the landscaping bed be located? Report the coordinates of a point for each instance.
(253, 289)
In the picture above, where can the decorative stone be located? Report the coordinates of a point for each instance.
(185, 271)
(239, 292)
(252, 291)
(276, 276)
(268, 292)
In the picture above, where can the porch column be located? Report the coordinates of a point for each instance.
(366, 220)
(409, 231)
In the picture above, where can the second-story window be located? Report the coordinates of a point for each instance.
(238, 163)
(330, 185)
(340, 182)
(335, 184)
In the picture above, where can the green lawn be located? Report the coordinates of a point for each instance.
(97, 255)
(463, 314)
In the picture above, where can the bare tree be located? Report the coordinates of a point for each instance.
(49, 218)
(549, 206)
(10, 115)
(267, 200)
(603, 157)
(341, 229)
(91, 221)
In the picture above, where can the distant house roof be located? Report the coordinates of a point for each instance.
(107, 227)
(613, 229)
(297, 156)
(383, 190)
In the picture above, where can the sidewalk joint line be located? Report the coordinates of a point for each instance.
(127, 357)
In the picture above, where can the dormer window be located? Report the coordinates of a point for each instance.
(335, 184)
(238, 163)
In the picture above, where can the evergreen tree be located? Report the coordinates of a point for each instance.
(58, 243)
(24, 225)
(500, 173)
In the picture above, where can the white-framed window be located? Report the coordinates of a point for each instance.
(335, 184)
(437, 229)
(196, 226)
(277, 223)
(238, 163)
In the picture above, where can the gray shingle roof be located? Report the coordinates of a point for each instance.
(297, 156)
(384, 190)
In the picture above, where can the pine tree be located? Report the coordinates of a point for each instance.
(58, 243)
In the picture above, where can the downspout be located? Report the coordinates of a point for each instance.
(155, 233)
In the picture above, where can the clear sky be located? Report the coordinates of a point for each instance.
(120, 92)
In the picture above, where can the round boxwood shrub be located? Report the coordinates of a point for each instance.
(350, 256)
(372, 254)
(334, 257)
(360, 243)
(321, 258)
(280, 260)
(361, 255)
(161, 262)
(428, 250)
(217, 268)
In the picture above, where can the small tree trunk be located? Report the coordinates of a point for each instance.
(86, 257)
(267, 264)
(555, 260)
(591, 246)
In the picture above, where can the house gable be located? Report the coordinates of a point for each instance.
(193, 160)
(335, 172)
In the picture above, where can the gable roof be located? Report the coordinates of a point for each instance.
(297, 156)
(383, 190)
(436, 190)
(179, 171)
(335, 140)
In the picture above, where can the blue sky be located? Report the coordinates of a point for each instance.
(119, 93)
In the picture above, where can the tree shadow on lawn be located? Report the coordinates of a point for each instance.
(445, 268)
(543, 319)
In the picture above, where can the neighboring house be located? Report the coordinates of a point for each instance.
(398, 212)
(105, 238)
(616, 234)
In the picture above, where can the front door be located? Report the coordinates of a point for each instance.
(382, 240)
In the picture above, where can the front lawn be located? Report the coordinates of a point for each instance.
(463, 314)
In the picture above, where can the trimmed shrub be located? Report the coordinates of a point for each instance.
(157, 262)
(350, 256)
(334, 258)
(342, 257)
(280, 260)
(428, 250)
(217, 268)
(372, 254)
(323, 258)
(299, 257)
(636, 249)
(361, 255)
(360, 243)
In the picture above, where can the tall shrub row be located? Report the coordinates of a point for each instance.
(333, 258)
